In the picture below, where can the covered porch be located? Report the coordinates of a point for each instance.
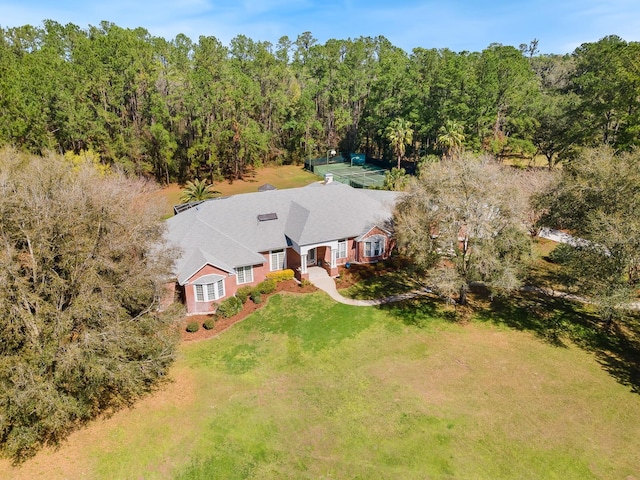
(324, 255)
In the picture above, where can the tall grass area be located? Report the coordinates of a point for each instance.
(307, 388)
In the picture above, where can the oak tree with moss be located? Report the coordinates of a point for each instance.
(463, 220)
(597, 198)
(80, 259)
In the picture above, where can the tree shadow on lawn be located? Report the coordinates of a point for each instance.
(554, 320)
(418, 312)
(557, 321)
(383, 279)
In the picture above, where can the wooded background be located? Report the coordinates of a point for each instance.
(180, 109)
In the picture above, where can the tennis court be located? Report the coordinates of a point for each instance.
(358, 176)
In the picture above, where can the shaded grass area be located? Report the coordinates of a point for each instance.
(390, 277)
(553, 319)
(561, 322)
(307, 388)
(543, 271)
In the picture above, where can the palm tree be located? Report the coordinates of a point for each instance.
(196, 191)
(399, 133)
(395, 179)
(451, 139)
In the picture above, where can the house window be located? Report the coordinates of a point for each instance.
(209, 291)
(244, 275)
(342, 249)
(277, 260)
(373, 247)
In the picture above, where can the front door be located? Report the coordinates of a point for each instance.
(311, 257)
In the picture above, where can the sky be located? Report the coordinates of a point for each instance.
(460, 25)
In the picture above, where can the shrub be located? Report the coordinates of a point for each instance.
(256, 297)
(266, 287)
(243, 293)
(304, 282)
(209, 323)
(193, 327)
(281, 275)
(561, 254)
(230, 307)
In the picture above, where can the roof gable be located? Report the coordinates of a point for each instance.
(227, 232)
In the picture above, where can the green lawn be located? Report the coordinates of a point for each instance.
(379, 280)
(308, 388)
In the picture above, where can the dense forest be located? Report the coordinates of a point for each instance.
(179, 109)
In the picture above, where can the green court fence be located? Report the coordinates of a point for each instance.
(358, 176)
(350, 169)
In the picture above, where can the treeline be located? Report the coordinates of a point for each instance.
(179, 109)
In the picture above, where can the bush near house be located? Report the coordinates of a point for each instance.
(230, 307)
(209, 323)
(243, 293)
(267, 287)
(256, 297)
(281, 275)
(193, 327)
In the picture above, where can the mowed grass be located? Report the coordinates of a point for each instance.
(307, 388)
(284, 176)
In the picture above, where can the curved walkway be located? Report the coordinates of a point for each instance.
(321, 279)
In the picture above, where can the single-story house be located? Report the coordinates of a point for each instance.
(226, 243)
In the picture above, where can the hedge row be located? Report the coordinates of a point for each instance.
(281, 275)
(233, 305)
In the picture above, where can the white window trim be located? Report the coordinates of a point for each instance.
(201, 291)
(246, 278)
(342, 248)
(312, 259)
(278, 265)
(369, 243)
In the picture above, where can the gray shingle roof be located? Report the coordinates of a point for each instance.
(211, 278)
(226, 232)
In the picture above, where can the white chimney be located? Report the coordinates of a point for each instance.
(328, 178)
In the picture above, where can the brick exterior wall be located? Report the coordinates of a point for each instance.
(351, 252)
(230, 287)
(355, 253)
(389, 243)
(293, 262)
(167, 295)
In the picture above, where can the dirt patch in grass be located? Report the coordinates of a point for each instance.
(222, 324)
